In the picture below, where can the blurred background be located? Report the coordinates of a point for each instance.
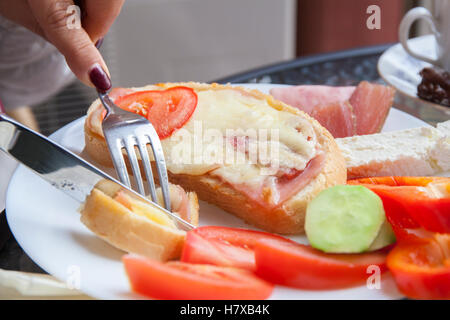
(203, 40)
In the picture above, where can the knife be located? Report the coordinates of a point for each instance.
(63, 169)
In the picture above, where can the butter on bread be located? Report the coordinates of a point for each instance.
(220, 106)
(149, 232)
(423, 151)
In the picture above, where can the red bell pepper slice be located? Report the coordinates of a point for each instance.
(422, 270)
(413, 202)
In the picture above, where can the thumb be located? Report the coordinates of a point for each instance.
(56, 18)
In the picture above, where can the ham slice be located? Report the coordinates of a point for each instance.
(274, 192)
(288, 188)
(306, 98)
(344, 111)
(371, 104)
(180, 202)
(328, 105)
(337, 117)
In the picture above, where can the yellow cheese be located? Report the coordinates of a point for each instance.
(223, 114)
(205, 143)
(145, 210)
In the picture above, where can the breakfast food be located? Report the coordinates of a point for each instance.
(344, 111)
(435, 86)
(278, 260)
(184, 281)
(269, 192)
(301, 266)
(413, 202)
(135, 226)
(423, 151)
(224, 246)
(216, 260)
(421, 269)
(347, 219)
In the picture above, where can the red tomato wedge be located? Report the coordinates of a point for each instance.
(412, 202)
(185, 281)
(167, 110)
(422, 270)
(223, 246)
(301, 266)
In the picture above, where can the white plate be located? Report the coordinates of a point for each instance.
(401, 70)
(46, 224)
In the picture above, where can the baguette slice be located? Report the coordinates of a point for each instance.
(423, 151)
(286, 218)
(148, 232)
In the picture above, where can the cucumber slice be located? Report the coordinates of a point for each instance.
(385, 237)
(344, 219)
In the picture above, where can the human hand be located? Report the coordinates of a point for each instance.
(49, 19)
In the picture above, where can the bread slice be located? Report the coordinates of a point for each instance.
(150, 232)
(423, 151)
(286, 218)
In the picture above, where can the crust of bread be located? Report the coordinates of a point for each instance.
(128, 231)
(289, 217)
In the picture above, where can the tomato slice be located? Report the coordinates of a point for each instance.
(422, 270)
(301, 266)
(224, 246)
(167, 110)
(185, 281)
(409, 202)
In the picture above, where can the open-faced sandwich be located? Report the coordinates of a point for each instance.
(135, 226)
(281, 158)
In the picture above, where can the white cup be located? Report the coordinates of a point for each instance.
(439, 22)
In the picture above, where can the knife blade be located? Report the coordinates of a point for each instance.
(63, 169)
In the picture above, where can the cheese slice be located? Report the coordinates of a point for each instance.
(144, 209)
(423, 151)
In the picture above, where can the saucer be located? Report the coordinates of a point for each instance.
(401, 70)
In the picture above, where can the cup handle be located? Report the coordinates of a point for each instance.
(405, 25)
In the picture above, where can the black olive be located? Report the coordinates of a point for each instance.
(435, 86)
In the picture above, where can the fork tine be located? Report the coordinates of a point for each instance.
(161, 168)
(118, 119)
(115, 149)
(142, 145)
(129, 147)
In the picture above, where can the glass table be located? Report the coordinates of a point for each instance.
(344, 68)
(336, 69)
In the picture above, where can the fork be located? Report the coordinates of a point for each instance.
(127, 130)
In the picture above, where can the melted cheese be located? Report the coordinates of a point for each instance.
(145, 210)
(223, 115)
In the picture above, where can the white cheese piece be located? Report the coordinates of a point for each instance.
(423, 151)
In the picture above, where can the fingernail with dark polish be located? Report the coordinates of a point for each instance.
(100, 78)
(99, 43)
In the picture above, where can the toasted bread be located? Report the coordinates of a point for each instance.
(286, 218)
(149, 233)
